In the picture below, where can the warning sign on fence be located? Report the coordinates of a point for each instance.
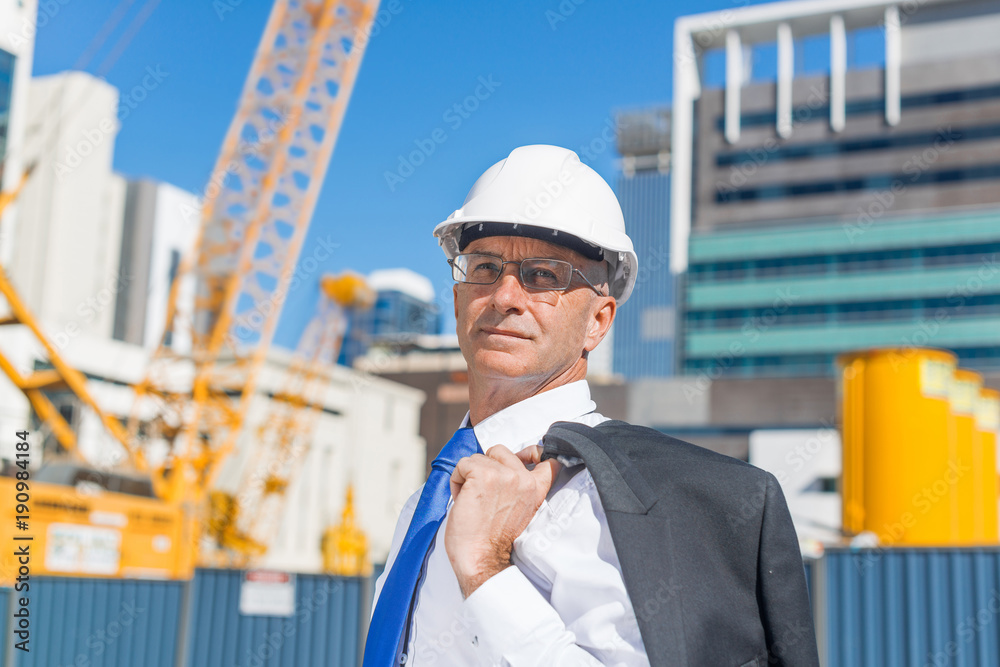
(267, 593)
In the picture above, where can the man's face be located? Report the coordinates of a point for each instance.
(506, 331)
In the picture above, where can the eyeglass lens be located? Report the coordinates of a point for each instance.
(539, 274)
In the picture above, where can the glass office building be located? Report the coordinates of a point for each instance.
(644, 339)
(6, 85)
(787, 300)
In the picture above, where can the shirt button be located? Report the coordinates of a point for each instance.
(402, 659)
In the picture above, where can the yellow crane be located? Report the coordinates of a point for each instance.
(243, 525)
(192, 402)
(254, 219)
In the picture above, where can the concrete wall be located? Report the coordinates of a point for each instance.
(69, 235)
(720, 414)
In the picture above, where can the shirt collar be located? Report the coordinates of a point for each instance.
(524, 423)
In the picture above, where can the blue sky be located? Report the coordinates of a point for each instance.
(558, 69)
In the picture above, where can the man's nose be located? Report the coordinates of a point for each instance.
(509, 293)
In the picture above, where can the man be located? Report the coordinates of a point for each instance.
(520, 569)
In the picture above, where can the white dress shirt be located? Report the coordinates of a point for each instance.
(564, 602)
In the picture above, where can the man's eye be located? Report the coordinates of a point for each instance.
(487, 266)
(543, 274)
(485, 269)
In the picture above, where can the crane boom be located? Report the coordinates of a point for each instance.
(257, 209)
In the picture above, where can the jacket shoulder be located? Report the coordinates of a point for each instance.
(644, 444)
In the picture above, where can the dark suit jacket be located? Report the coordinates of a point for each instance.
(708, 551)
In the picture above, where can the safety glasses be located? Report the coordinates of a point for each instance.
(536, 273)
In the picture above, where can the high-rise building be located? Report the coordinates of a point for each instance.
(644, 330)
(853, 208)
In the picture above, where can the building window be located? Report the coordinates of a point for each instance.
(7, 61)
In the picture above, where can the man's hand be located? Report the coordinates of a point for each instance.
(495, 498)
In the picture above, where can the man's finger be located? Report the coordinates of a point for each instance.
(504, 456)
(463, 469)
(530, 455)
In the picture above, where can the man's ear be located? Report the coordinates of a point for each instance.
(600, 321)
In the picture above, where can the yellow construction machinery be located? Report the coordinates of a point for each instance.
(345, 545)
(192, 404)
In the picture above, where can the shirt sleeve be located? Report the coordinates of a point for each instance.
(564, 602)
(512, 625)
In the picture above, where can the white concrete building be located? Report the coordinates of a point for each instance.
(70, 216)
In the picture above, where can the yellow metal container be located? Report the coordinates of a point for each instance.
(987, 487)
(90, 532)
(962, 398)
(899, 467)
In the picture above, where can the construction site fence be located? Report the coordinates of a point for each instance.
(891, 607)
(91, 622)
(907, 607)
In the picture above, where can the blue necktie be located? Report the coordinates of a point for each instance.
(393, 606)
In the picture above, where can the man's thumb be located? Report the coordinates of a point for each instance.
(545, 473)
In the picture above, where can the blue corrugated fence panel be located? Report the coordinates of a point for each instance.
(102, 622)
(5, 596)
(905, 607)
(323, 631)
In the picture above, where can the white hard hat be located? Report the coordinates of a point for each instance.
(545, 192)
